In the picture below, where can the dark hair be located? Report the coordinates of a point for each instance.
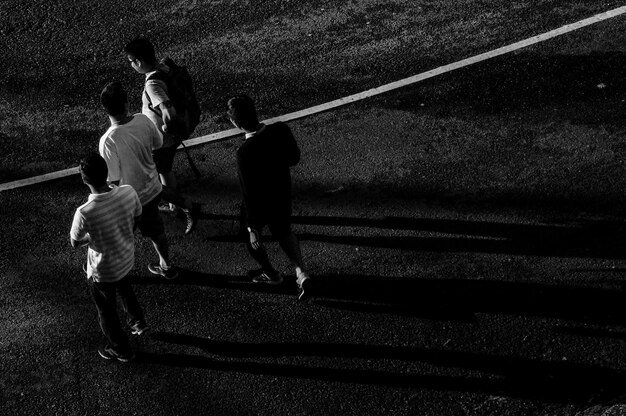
(141, 48)
(113, 98)
(93, 169)
(242, 111)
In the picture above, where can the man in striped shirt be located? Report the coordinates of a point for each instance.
(105, 224)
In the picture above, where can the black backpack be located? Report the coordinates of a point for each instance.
(181, 93)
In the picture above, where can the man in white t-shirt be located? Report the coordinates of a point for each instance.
(105, 223)
(127, 147)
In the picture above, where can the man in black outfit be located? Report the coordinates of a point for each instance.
(263, 163)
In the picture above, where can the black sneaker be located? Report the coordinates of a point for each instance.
(191, 216)
(173, 210)
(109, 353)
(169, 273)
(139, 328)
(268, 278)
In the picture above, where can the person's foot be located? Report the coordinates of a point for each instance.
(172, 210)
(109, 353)
(191, 216)
(304, 286)
(168, 273)
(268, 278)
(139, 328)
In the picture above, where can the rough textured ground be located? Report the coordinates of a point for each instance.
(289, 55)
(465, 236)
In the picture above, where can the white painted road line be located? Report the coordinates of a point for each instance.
(365, 94)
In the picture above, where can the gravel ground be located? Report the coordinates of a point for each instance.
(465, 237)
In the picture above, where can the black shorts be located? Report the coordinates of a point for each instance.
(150, 223)
(279, 227)
(164, 158)
(278, 221)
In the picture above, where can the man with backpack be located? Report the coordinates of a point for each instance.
(169, 102)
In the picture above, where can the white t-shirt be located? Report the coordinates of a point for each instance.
(154, 93)
(127, 149)
(108, 220)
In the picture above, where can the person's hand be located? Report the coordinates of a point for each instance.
(255, 239)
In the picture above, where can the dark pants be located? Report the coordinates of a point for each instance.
(104, 296)
(280, 228)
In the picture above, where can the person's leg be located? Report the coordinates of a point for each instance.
(151, 226)
(161, 246)
(134, 314)
(281, 230)
(103, 295)
(291, 246)
(172, 196)
(260, 255)
(164, 160)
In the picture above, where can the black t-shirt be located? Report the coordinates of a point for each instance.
(263, 162)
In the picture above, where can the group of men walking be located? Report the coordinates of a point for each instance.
(132, 173)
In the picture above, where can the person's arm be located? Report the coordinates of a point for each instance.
(78, 233)
(246, 185)
(156, 89)
(168, 114)
(80, 243)
(108, 151)
(290, 146)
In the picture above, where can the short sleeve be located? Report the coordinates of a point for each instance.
(138, 208)
(156, 91)
(78, 230)
(108, 151)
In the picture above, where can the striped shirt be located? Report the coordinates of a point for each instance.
(108, 220)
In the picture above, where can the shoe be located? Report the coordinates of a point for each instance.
(139, 328)
(304, 287)
(270, 279)
(170, 273)
(109, 353)
(165, 208)
(191, 215)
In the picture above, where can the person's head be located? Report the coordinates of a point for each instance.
(93, 169)
(242, 112)
(140, 53)
(114, 99)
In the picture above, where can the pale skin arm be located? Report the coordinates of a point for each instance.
(80, 243)
(168, 113)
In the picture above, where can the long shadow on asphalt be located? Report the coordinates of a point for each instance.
(589, 239)
(460, 299)
(455, 299)
(436, 299)
(543, 380)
